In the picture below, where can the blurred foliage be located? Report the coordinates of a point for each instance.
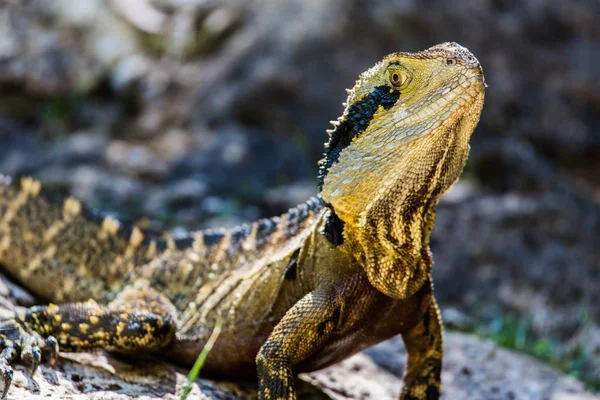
(58, 114)
(515, 332)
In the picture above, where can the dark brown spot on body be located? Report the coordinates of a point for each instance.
(292, 267)
(426, 321)
(326, 326)
(432, 393)
(334, 229)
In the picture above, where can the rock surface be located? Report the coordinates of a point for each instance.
(474, 369)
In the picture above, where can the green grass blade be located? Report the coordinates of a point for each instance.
(195, 371)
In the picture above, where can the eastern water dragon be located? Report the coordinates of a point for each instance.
(329, 278)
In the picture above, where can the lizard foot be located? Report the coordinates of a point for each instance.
(18, 341)
(425, 385)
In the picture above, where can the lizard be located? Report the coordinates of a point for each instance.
(295, 293)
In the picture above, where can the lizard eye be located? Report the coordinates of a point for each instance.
(397, 77)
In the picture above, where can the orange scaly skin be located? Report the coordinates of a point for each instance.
(295, 293)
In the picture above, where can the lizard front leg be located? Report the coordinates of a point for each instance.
(422, 378)
(137, 321)
(303, 329)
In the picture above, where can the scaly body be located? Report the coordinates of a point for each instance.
(295, 293)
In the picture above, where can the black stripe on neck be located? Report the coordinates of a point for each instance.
(357, 119)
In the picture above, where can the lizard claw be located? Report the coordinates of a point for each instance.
(31, 355)
(17, 340)
(52, 346)
(7, 375)
(8, 354)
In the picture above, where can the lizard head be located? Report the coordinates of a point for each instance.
(404, 99)
(401, 142)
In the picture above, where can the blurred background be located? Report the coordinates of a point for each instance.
(185, 114)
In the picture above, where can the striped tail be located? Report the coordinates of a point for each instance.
(62, 250)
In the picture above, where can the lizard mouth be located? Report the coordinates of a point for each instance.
(479, 78)
(449, 100)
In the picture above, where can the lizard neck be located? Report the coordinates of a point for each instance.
(400, 144)
(388, 232)
(395, 217)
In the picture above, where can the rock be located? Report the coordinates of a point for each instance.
(477, 369)
(522, 254)
(474, 369)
